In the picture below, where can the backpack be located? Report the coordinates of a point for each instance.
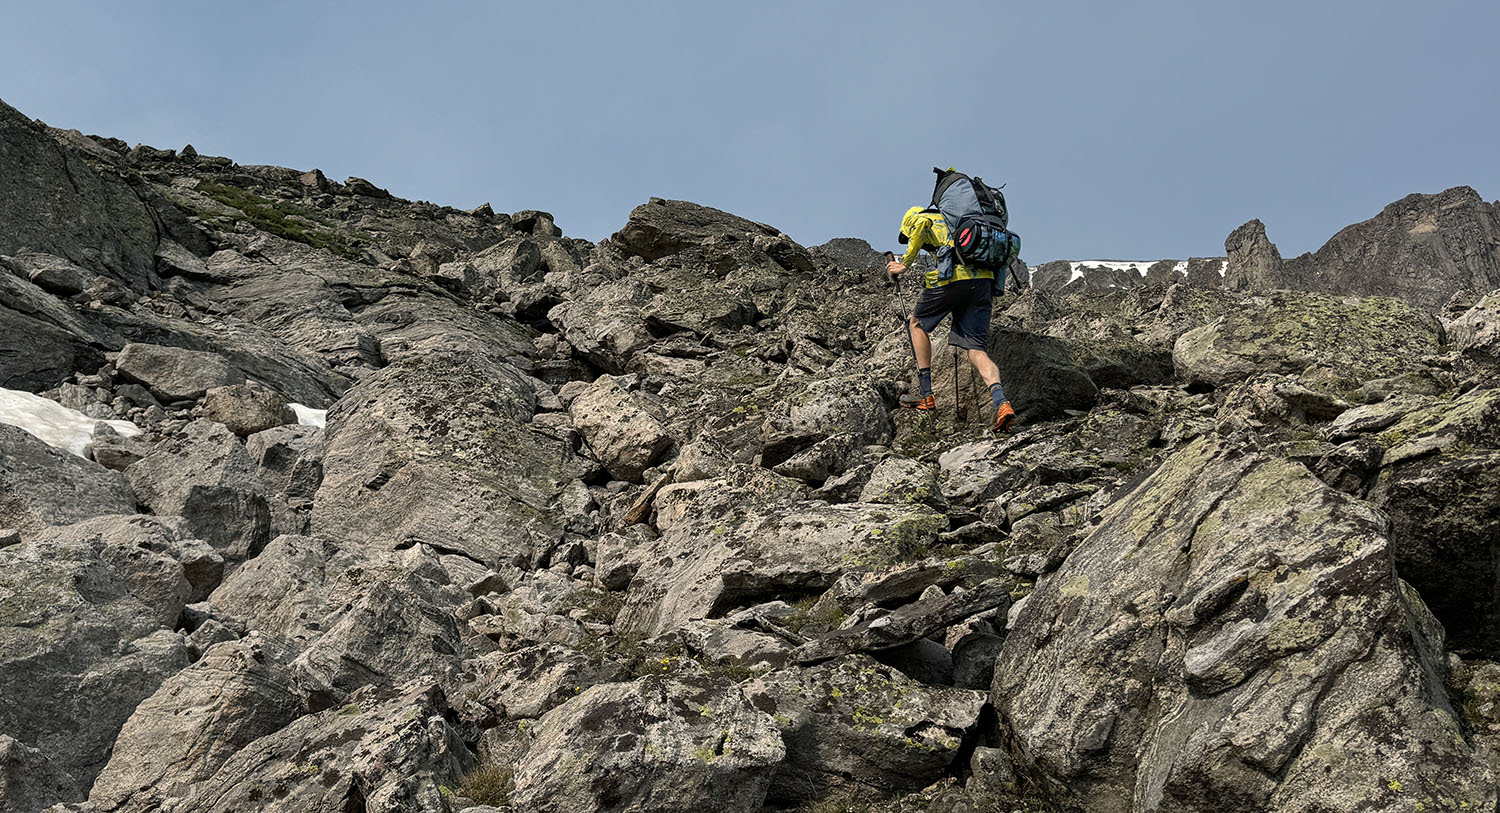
(977, 222)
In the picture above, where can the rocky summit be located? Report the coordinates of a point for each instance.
(334, 501)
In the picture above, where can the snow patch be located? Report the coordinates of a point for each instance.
(307, 416)
(53, 423)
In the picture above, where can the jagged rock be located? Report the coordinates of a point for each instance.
(238, 692)
(859, 727)
(1422, 249)
(52, 201)
(1288, 332)
(206, 477)
(42, 486)
(1260, 648)
(623, 435)
(84, 636)
(175, 374)
(850, 254)
(718, 641)
(1439, 481)
(656, 744)
(245, 409)
(1254, 262)
(907, 623)
(721, 548)
(376, 752)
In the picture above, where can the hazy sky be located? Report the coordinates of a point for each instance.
(1128, 130)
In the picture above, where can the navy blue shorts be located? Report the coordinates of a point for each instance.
(969, 302)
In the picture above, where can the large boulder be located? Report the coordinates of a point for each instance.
(623, 435)
(85, 635)
(658, 744)
(206, 477)
(664, 227)
(42, 486)
(175, 374)
(1259, 647)
(820, 408)
(1287, 332)
(245, 410)
(238, 692)
(440, 448)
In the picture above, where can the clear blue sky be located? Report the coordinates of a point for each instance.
(1129, 130)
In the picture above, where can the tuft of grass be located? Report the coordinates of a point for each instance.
(280, 218)
(488, 785)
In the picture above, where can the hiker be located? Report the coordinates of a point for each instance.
(949, 288)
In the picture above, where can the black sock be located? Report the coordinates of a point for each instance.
(924, 380)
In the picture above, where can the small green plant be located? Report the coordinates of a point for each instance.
(280, 218)
(488, 785)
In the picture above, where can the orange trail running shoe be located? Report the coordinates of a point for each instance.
(1004, 417)
(925, 403)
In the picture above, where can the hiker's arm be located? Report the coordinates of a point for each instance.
(915, 242)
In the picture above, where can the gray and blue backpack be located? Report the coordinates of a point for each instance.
(977, 222)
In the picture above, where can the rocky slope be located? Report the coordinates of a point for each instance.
(634, 526)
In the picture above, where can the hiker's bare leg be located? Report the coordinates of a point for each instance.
(987, 369)
(921, 346)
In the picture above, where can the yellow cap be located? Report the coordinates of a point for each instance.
(909, 221)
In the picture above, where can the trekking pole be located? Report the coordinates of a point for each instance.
(895, 284)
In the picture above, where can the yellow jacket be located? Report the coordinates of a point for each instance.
(928, 230)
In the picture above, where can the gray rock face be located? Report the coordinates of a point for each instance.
(52, 201)
(656, 744)
(859, 727)
(42, 486)
(175, 374)
(1261, 656)
(907, 624)
(42, 341)
(206, 477)
(245, 410)
(84, 636)
(625, 438)
(294, 584)
(374, 753)
(1421, 249)
(1289, 332)
(237, 693)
